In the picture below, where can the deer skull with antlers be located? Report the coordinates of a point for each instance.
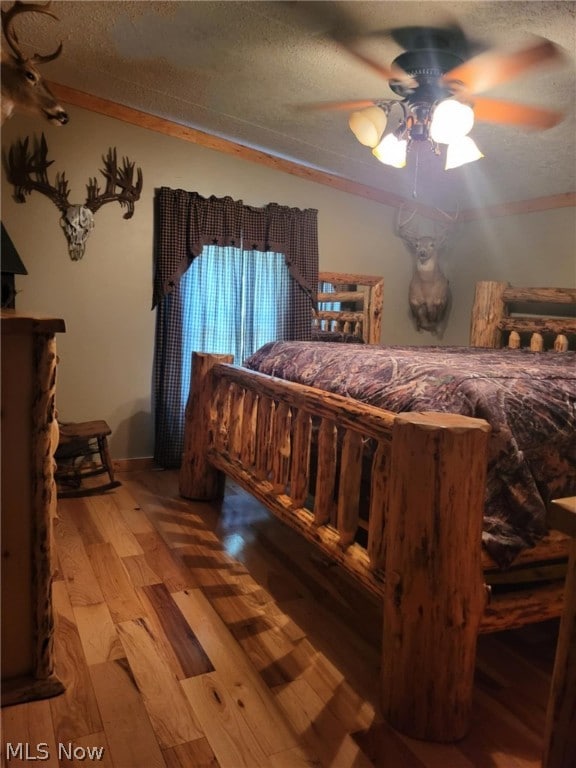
(23, 88)
(429, 291)
(27, 171)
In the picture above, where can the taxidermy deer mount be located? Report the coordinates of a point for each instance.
(23, 88)
(27, 171)
(429, 291)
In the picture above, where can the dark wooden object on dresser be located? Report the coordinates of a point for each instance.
(29, 439)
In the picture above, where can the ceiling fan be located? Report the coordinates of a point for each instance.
(437, 81)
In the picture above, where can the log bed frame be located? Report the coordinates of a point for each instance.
(362, 296)
(257, 430)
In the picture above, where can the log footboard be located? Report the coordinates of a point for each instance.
(420, 546)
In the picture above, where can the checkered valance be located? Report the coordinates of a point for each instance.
(186, 222)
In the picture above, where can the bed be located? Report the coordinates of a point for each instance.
(348, 309)
(419, 547)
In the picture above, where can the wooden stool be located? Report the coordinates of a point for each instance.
(560, 740)
(83, 452)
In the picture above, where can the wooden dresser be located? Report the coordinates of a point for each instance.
(28, 503)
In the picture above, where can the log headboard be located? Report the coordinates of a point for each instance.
(540, 318)
(361, 300)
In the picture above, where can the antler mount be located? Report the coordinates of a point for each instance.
(27, 170)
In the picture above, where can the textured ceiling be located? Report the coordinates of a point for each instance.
(240, 69)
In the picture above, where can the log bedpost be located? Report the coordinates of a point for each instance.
(198, 478)
(375, 313)
(487, 312)
(434, 587)
(560, 738)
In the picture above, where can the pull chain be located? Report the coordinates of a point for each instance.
(416, 167)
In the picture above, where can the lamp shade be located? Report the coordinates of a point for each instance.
(368, 125)
(462, 151)
(451, 120)
(391, 151)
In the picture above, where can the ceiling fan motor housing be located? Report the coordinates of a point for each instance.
(427, 67)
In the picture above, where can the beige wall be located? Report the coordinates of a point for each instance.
(105, 299)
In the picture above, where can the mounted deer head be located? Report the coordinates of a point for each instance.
(429, 291)
(23, 88)
(27, 171)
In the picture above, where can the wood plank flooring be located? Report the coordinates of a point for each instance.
(198, 636)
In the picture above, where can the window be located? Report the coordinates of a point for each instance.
(234, 301)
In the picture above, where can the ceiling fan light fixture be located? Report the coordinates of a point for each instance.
(452, 120)
(391, 151)
(461, 151)
(368, 125)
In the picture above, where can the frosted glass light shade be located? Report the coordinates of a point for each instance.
(368, 125)
(461, 151)
(391, 151)
(451, 120)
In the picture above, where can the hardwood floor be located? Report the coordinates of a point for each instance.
(190, 637)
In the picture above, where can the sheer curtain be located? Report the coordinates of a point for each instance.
(256, 281)
(244, 303)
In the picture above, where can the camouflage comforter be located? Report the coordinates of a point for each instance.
(528, 398)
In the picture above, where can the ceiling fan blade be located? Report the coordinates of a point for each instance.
(388, 73)
(334, 106)
(337, 23)
(510, 113)
(492, 68)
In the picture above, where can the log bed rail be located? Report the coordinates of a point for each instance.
(258, 430)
